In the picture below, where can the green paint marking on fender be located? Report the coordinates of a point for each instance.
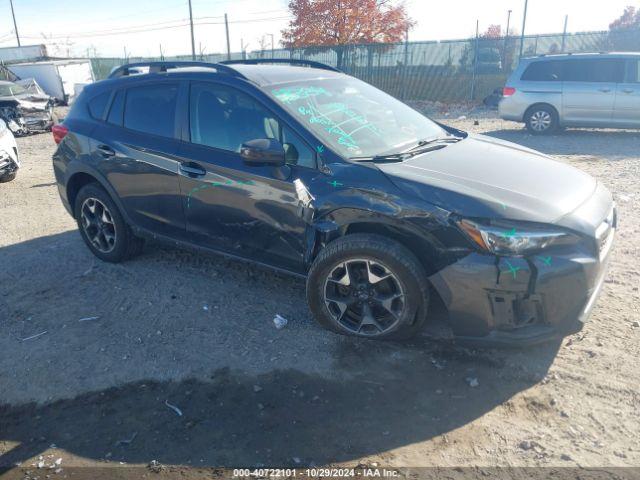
(335, 184)
(546, 260)
(511, 233)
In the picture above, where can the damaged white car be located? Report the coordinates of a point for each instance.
(24, 111)
(9, 162)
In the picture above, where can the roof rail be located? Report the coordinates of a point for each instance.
(158, 67)
(290, 61)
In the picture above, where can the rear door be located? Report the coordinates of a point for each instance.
(589, 90)
(136, 150)
(249, 211)
(627, 105)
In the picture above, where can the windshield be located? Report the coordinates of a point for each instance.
(7, 90)
(354, 118)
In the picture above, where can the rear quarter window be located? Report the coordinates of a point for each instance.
(152, 109)
(98, 104)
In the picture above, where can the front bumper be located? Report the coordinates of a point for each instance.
(499, 301)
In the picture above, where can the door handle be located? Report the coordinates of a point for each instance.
(106, 151)
(192, 170)
(628, 90)
(605, 90)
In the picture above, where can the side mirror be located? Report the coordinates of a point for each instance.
(263, 151)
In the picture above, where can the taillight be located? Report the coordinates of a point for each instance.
(59, 132)
(508, 91)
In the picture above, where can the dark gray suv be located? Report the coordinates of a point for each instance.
(318, 174)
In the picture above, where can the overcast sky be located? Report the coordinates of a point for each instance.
(78, 25)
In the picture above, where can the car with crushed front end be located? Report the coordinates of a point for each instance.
(25, 111)
(9, 163)
(297, 166)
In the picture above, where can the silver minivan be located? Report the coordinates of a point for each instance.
(579, 90)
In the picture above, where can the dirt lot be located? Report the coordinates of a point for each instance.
(120, 343)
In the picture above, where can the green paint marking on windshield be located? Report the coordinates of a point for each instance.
(293, 94)
(513, 270)
(315, 116)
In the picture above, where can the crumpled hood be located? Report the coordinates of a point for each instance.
(33, 102)
(484, 177)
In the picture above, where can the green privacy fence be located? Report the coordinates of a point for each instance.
(444, 71)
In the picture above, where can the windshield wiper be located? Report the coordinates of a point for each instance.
(392, 158)
(422, 146)
(424, 143)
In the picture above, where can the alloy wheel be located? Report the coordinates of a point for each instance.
(98, 225)
(364, 296)
(540, 120)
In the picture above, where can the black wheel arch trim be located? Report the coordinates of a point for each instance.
(75, 168)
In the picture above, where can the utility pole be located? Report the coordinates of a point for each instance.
(193, 41)
(475, 61)
(564, 32)
(226, 28)
(243, 49)
(161, 54)
(524, 23)
(15, 25)
(506, 40)
(272, 45)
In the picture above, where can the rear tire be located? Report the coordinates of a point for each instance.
(541, 120)
(102, 226)
(369, 286)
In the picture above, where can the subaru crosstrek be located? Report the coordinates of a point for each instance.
(297, 166)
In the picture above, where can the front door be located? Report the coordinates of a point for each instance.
(249, 211)
(627, 108)
(589, 90)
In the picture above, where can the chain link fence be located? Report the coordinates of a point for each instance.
(447, 71)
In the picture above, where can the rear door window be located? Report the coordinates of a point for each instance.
(543, 71)
(117, 109)
(152, 109)
(599, 70)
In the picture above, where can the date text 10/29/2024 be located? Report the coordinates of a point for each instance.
(359, 472)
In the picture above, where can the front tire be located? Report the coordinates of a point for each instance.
(102, 226)
(541, 120)
(370, 286)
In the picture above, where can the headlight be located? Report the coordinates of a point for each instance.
(503, 238)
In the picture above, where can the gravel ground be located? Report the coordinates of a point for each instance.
(121, 344)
